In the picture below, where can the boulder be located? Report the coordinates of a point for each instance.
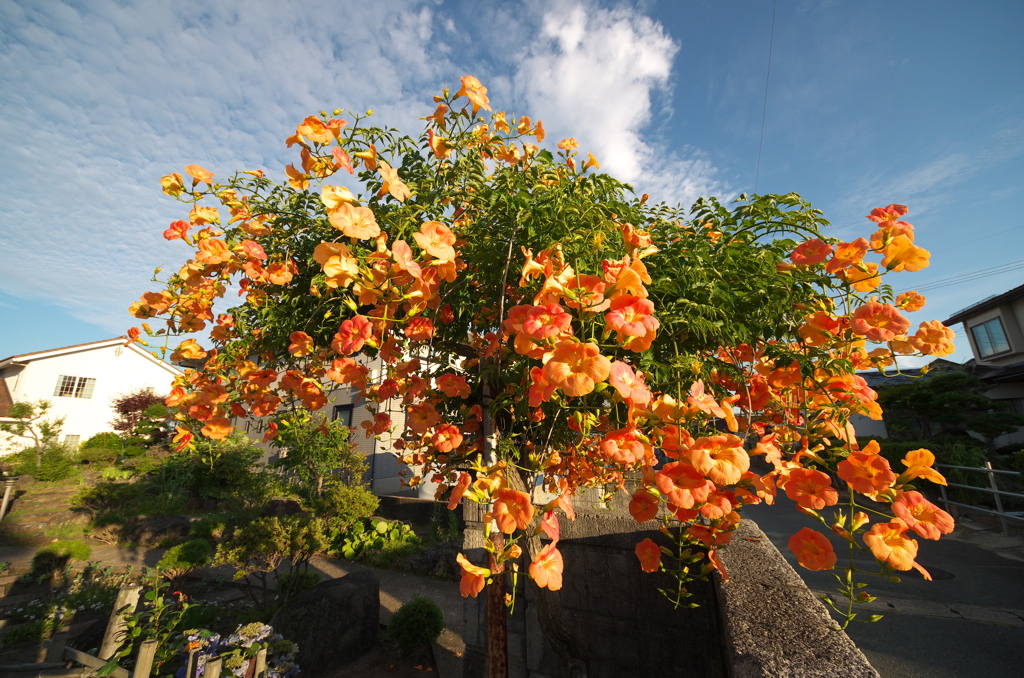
(148, 531)
(334, 623)
(439, 561)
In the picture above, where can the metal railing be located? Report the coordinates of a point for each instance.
(992, 489)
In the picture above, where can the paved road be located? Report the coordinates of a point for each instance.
(968, 622)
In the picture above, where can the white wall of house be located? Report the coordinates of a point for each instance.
(117, 369)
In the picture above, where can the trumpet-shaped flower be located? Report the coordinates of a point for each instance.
(475, 92)
(354, 222)
(545, 322)
(302, 344)
(643, 506)
(649, 555)
(867, 472)
(447, 438)
(812, 549)
(631, 316)
(352, 334)
(910, 301)
(847, 254)
(473, 578)
(576, 368)
(889, 544)
(546, 569)
(512, 509)
(811, 489)
(811, 252)
(720, 458)
(437, 240)
(933, 338)
(922, 516)
(879, 322)
(901, 254)
(682, 484)
(628, 383)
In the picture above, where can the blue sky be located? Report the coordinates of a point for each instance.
(869, 103)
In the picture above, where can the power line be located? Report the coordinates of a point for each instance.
(764, 111)
(975, 240)
(972, 275)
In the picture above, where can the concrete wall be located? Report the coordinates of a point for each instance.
(117, 370)
(763, 623)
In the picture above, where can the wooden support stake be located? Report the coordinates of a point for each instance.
(55, 651)
(213, 668)
(144, 660)
(261, 663)
(127, 599)
(192, 666)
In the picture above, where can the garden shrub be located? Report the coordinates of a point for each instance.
(257, 548)
(132, 451)
(107, 440)
(343, 505)
(210, 528)
(55, 558)
(184, 558)
(58, 463)
(98, 455)
(417, 623)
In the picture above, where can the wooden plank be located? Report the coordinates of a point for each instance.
(213, 668)
(127, 599)
(144, 660)
(54, 672)
(92, 662)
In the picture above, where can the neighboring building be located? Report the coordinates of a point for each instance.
(995, 329)
(80, 381)
(385, 471)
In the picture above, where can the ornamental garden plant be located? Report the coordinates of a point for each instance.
(546, 329)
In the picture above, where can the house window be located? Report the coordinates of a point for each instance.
(74, 387)
(72, 441)
(342, 413)
(990, 338)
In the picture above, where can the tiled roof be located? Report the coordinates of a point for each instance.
(984, 305)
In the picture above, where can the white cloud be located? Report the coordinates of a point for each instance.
(98, 100)
(596, 74)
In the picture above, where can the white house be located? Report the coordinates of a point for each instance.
(80, 381)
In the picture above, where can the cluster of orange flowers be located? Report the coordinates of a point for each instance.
(576, 346)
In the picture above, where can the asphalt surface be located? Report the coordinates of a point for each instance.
(968, 622)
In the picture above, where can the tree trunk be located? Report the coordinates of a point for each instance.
(572, 660)
(497, 615)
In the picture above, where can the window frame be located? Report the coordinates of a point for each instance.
(991, 322)
(74, 387)
(337, 411)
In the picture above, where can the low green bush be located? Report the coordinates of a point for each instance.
(417, 623)
(184, 558)
(378, 542)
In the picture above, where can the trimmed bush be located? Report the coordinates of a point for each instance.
(98, 455)
(417, 623)
(104, 440)
(184, 558)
